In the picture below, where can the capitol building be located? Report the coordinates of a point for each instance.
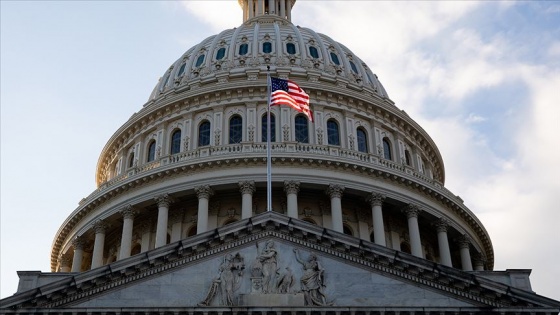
(360, 220)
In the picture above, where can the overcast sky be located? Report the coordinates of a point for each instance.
(482, 78)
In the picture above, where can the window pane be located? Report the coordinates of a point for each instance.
(181, 70)
(267, 47)
(353, 66)
(291, 48)
(362, 140)
(243, 49)
(204, 134)
(272, 128)
(220, 54)
(152, 151)
(235, 129)
(334, 59)
(313, 52)
(302, 129)
(199, 61)
(176, 142)
(387, 149)
(332, 132)
(131, 160)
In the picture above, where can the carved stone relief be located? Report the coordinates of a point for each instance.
(227, 281)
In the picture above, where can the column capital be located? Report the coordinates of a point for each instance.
(411, 211)
(464, 241)
(163, 200)
(335, 191)
(291, 187)
(442, 225)
(65, 261)
(376, 199)
(78, 242)
(128, 212)
(247, 187)
(204, 191)
(100, 226)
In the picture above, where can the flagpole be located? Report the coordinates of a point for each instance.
(268, 149)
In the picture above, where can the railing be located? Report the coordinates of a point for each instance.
(208, 153)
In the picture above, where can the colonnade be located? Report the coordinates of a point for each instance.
(247, 189)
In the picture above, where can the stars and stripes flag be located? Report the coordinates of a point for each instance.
(286, 92)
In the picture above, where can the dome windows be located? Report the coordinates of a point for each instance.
(176, 142)
(334, 58)
(243, 49)
(204, 134)
(264, 130)
(182, 70)
(221, 53)
(333, 134)
(151, 151)
(267, 47)
(353, 66)
(313, 52)
(407, 158)
(387, 154)
(362, 140)
(131, 160)
(235, 129)
(199, 61)
(302, 129)
(291, 48)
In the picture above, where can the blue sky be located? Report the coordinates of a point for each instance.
(481, 77)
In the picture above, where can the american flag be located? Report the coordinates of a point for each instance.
(286, 92)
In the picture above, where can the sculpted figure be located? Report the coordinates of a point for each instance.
(267, 258)
(227, 281)
(286, 282)
(312, 280)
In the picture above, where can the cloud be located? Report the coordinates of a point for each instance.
(473, 119)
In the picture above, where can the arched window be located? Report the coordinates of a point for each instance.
(162, 87)
(407, 159)
(313, 52)
(362, 140)
(347, 230)
(333, 135)
(302, 129)
(182, 69)
(243, 49)
(272, 128)
(291, 48)
(353, 66)
(152, 151)
(267, 47)
(235, 129)
(176, 142)
(221, 53)
(334, 58)
(199, 61)
(131, 160)
(387, 149)
(204, 133)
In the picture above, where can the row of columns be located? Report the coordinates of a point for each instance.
(247, 189)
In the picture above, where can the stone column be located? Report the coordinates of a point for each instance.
(247, 189)
(292, 188)
(65, 262)
(176, 225)
(413, 229)
(335, 193)
(99, 227)
(478, 262)
(283, 9)
(204, 193)
(163, 202)
(376, 201)
(78, 244)
(464, 244)
(443, 242)
(128, 214)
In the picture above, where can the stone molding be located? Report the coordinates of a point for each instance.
(204, 191)
(247, 187)
(375, 258)
(291, 187)
(376, 199)
(335, 191)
